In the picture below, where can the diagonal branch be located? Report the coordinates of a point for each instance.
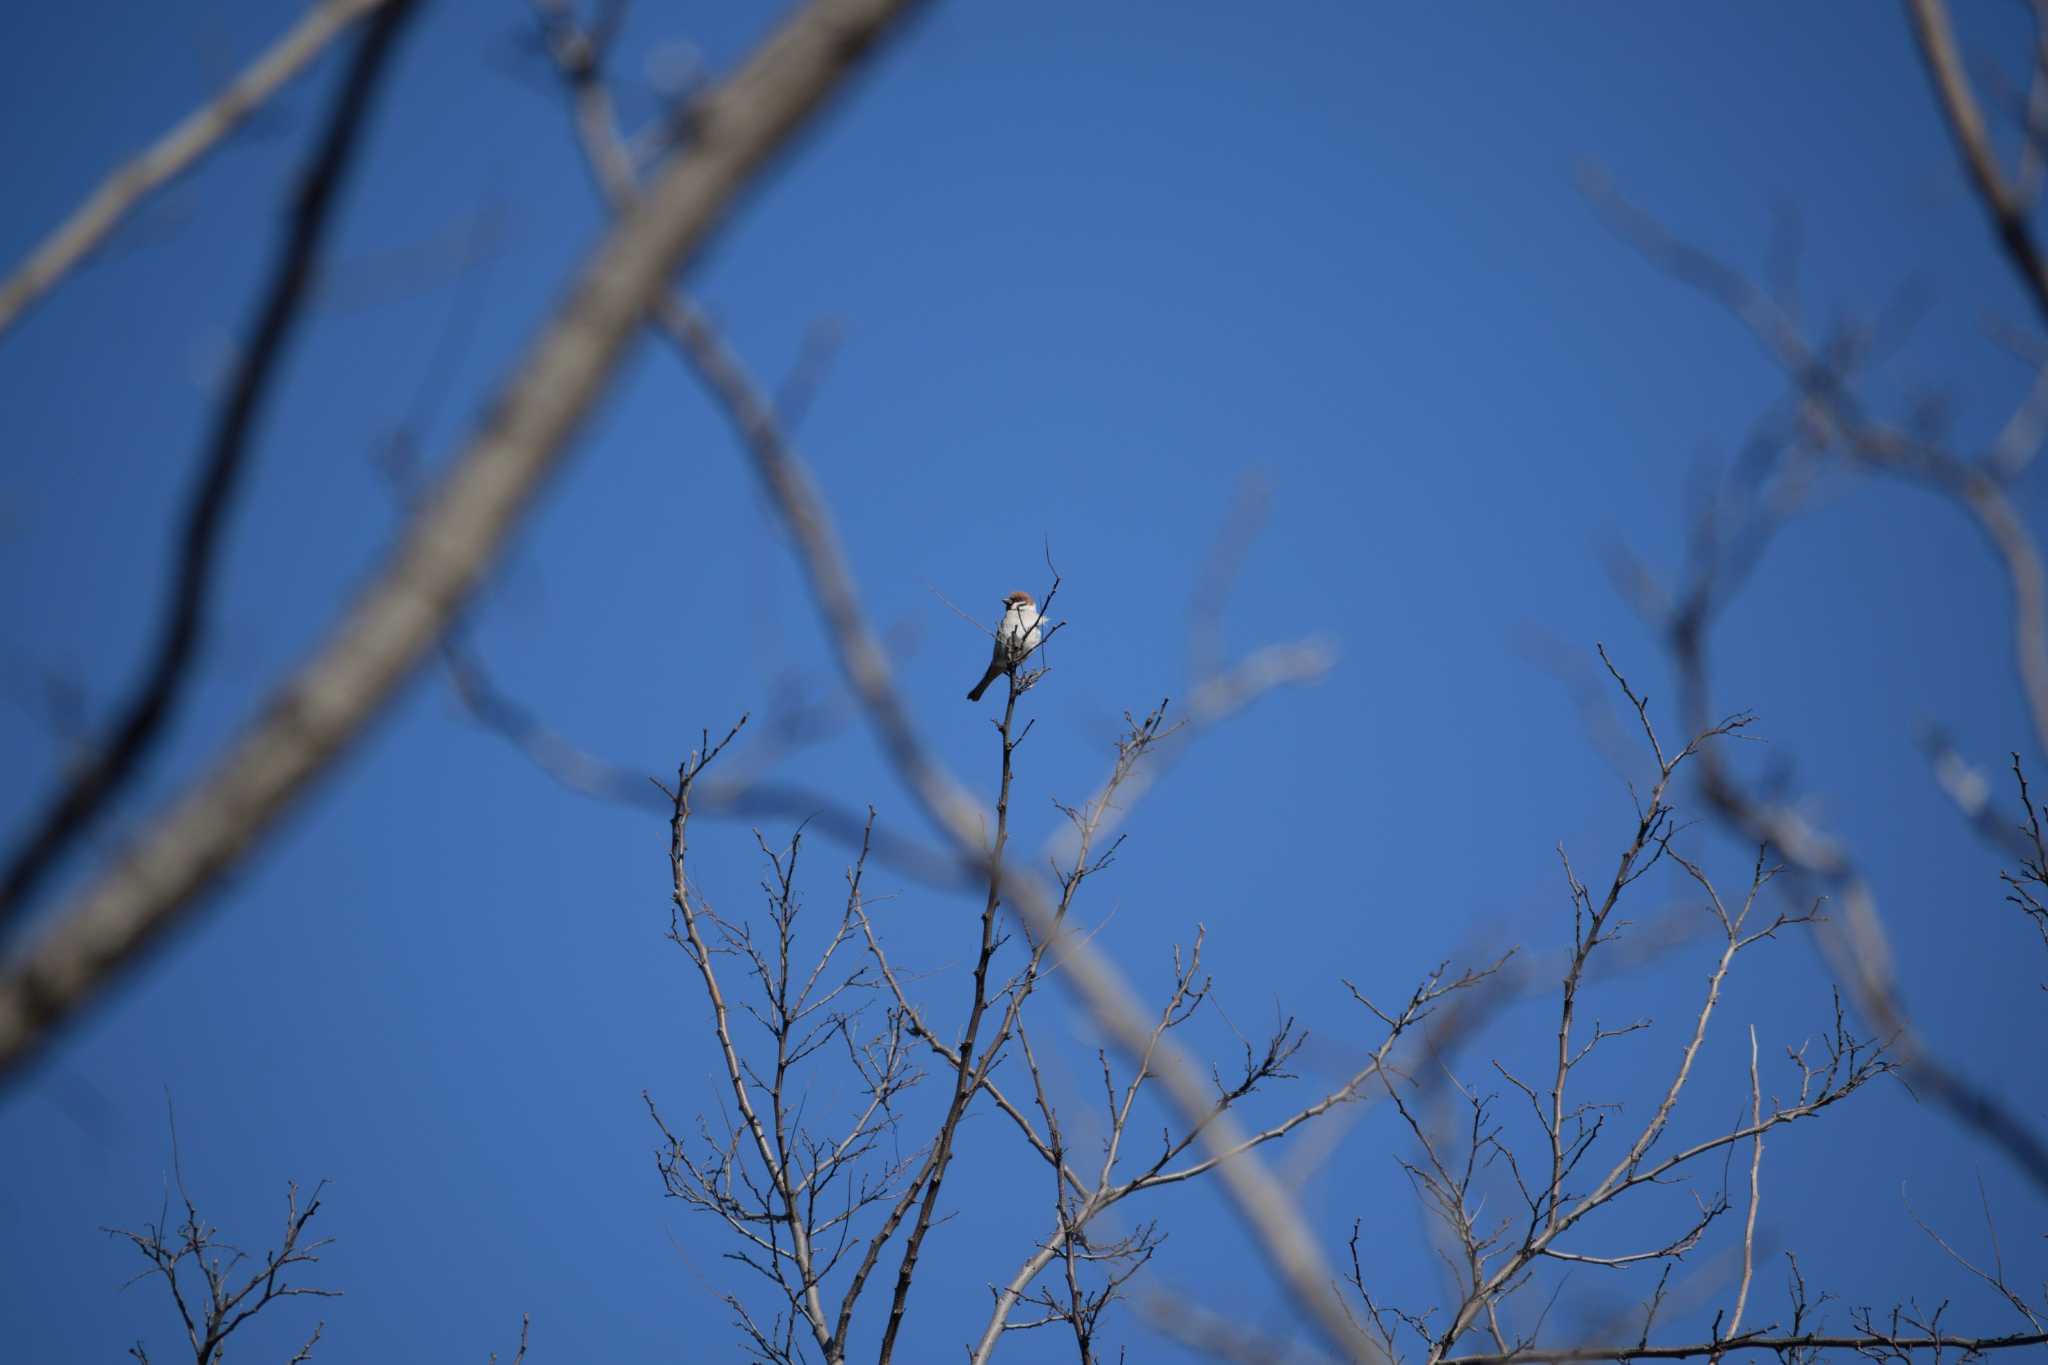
(740, 125)
(970, 1067)
(93, 786)
(173, 154)
(774, 1159)
(2001, 197)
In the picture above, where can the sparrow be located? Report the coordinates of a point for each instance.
(1016, 637)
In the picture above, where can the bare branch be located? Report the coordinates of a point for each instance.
(1756, 1162)
(1854, 938)
(1888, 1346)
(214, 1307)
(740, 125)
(176, 152)
(773, 1152)
(155, 695)
(2002, 200)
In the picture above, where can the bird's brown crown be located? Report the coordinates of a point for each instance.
(1017, 599)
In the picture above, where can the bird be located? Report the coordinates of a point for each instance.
(1016, 637)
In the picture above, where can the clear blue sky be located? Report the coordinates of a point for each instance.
(1093, 266)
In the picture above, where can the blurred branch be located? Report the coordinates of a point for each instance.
(1216, 699)
(1491, 1254)
(2027, 886)
(1856, 944)
(1834, 414)
(793, 721)
(740, 125)
(1491, 1257)
(1217, 1335)
(99, 779)
(2001, 197)
(1880, 1345)
(1219, 574)
(173, 154)
(1858, 947)
(744, 796)
(1078, 1203)
(1970, 790)
(1267, 1208)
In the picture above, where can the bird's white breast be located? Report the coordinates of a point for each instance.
(1020, 627)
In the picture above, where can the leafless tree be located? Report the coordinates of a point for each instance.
(819, 1210)
(214, 1285)
(217, 1287)
(1565, 1157)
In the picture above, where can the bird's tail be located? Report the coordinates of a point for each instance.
(982, 686)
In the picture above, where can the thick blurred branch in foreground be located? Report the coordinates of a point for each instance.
(97, 780)
(738, 126)
(2004, 199)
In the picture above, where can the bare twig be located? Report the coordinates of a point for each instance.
(220, 1302)
(1821, 379)
(1970, 790)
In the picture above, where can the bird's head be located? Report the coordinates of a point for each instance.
(1017, 599)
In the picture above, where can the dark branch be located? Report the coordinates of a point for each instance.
(156, 694)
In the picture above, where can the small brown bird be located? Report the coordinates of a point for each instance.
(1016, 637)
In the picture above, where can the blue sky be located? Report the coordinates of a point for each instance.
(1092, 268)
